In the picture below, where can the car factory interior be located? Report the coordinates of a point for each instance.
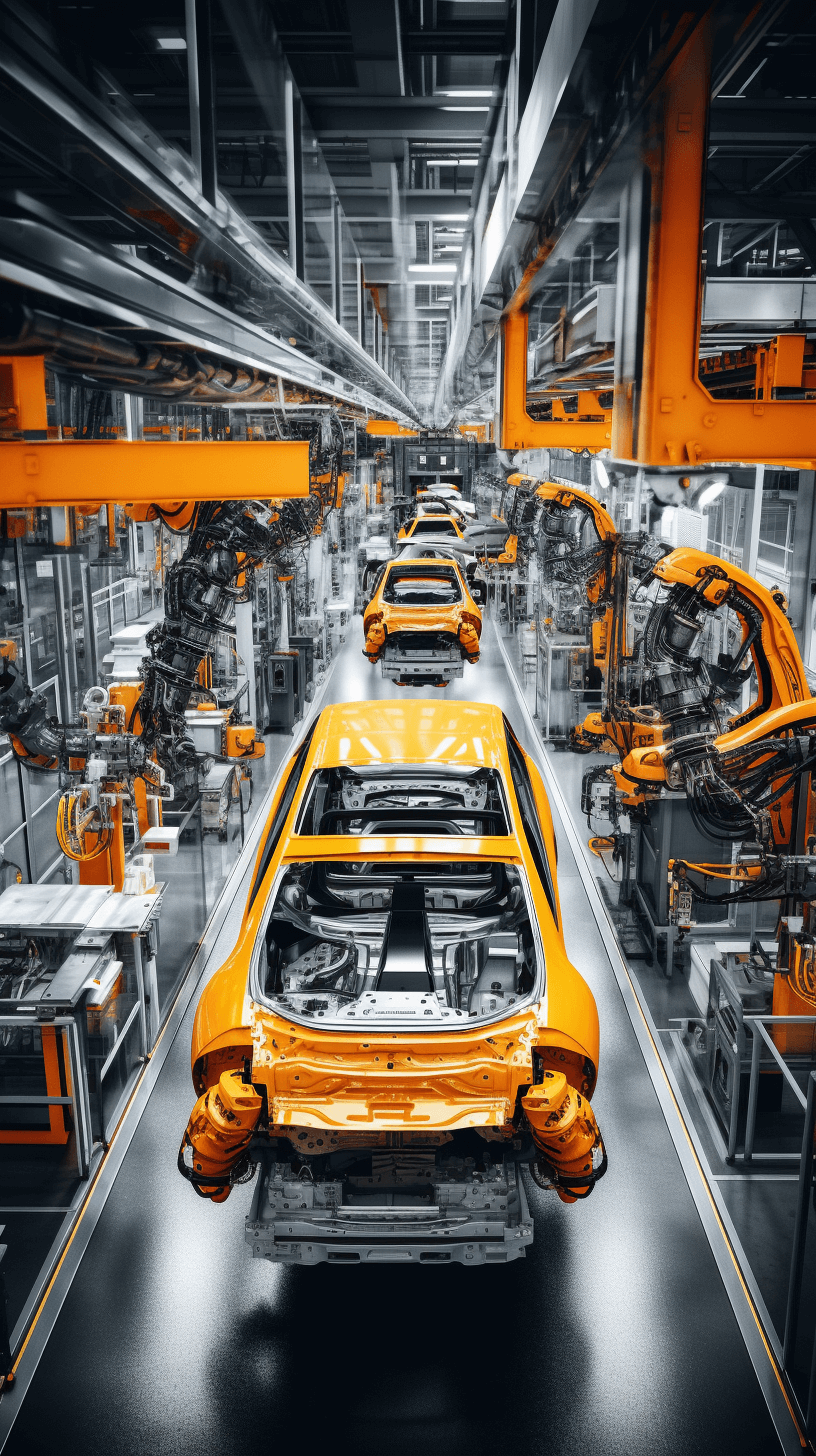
(407, 726)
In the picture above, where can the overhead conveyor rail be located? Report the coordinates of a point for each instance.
(135, 247)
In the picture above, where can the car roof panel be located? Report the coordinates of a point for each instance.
(429, 732)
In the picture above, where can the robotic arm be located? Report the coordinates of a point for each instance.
(740, 772)
(731, 767)
(34, 735)
(574, 534)
(110, 763)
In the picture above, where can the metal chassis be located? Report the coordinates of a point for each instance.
(296, 1238)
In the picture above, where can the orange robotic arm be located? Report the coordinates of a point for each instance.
(768, 634)
(739, 774)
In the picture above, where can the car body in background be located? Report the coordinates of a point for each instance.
(421, 622)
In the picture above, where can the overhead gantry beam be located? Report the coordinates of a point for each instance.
(663, 415)
(36, 471)
(125, 472)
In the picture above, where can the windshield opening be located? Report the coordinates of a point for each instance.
(422, 586)
(404, 799)
(428, 526)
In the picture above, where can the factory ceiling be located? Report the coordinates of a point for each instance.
(375, 148)
(397, 103)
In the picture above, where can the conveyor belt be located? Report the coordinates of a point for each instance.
(614, 1338)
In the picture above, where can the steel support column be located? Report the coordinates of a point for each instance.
(202, 87)
(294, 181)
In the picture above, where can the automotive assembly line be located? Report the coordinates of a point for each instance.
(130, 1337)
(407, 727)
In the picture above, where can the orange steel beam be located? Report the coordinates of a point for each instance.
(388, 427)
(673, 420)
(518, 430)
(57, 1130)
(22, 395)
(69, 472)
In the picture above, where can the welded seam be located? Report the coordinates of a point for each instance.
(706, 1198)
(60, 1281)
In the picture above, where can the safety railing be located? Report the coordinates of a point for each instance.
(75, 1094)
(120, 602)
(758, 1026)
(799, 1365)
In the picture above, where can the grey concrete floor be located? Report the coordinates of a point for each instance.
(614, 1337)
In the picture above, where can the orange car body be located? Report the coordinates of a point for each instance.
(422, 621)
(430, 524)
(495, 1040)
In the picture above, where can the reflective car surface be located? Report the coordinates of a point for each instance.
(422, 622)
(432, 525)
(399, 1027)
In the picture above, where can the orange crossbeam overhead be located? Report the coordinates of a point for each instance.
(70, 472)
(388, 427)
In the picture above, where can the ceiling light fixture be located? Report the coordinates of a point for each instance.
(711, 492)
(464, 93)
(601, 474)
(171, 42)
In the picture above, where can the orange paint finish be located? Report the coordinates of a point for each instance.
(70, 472)
(518, 429)
(779, 646)
(679, 421)
(373, 1078)
(385, 619)
(22, 393)
(443, 522)
(57, 1131)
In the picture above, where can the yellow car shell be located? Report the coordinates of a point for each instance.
(430, 524)
(409, 844)
(422, 602)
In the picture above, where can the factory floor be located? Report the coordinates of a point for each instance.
(624, 1332)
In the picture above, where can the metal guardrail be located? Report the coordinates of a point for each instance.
(6, 1372)
(758, 1026)
(804, 1196)
(78, 1097)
